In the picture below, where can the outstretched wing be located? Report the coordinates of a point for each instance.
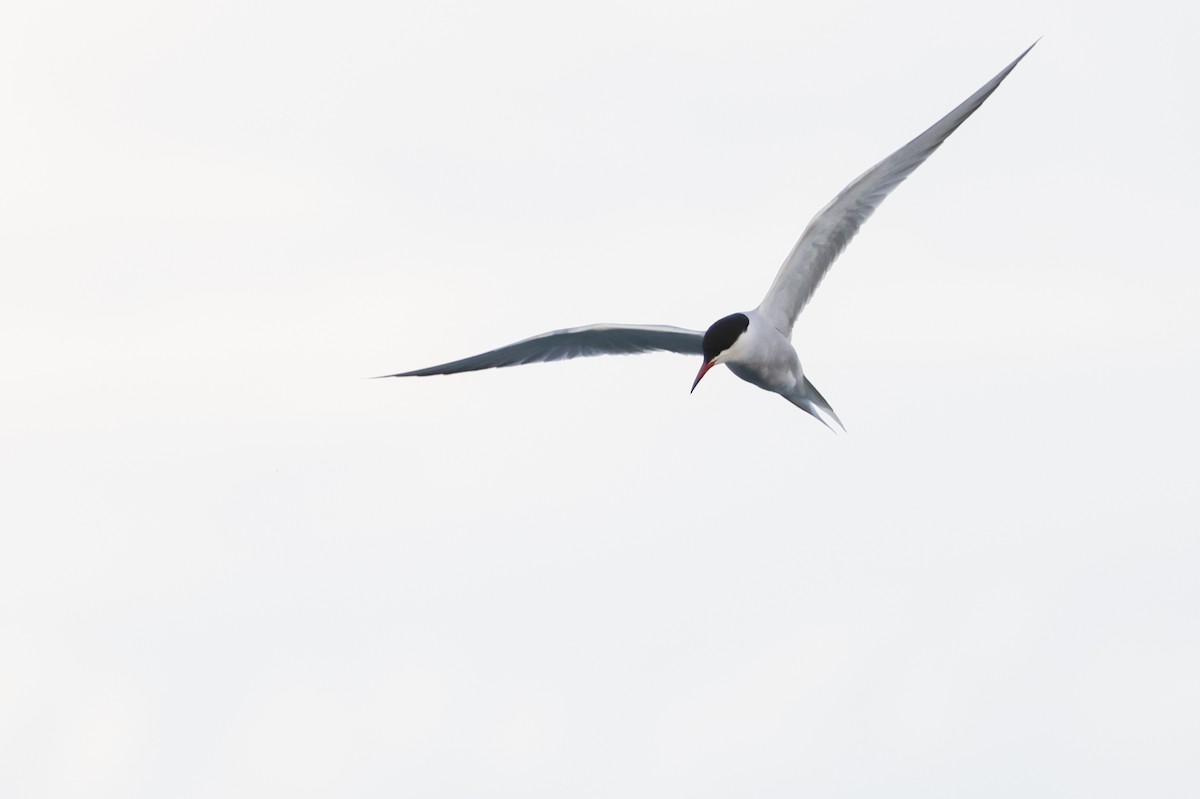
(832, 228)
(575, 342)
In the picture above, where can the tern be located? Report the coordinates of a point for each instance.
(755, 345)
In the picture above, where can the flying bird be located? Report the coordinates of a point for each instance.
(755, 345)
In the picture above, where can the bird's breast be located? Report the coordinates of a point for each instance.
(762, 356)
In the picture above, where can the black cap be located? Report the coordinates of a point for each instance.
(723, 333)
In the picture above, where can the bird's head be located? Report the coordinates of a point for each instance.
(718, 340)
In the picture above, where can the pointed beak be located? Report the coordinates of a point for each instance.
(703, 370)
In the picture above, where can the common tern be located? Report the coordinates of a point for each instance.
(755, 345)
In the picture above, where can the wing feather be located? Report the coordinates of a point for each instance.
(834, 225)
(575, 342)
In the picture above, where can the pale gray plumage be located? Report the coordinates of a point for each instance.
(575, 342)
(834, 225)
(755, 345)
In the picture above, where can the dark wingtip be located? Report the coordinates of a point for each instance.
(1025, 52)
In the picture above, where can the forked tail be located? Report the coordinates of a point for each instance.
(810, 400)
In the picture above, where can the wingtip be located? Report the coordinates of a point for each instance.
(1025, 52)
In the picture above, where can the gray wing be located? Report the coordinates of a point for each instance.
(834, 225)
(575, 342)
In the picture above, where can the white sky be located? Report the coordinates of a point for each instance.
(231, 568)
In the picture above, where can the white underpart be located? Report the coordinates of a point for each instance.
(764, 357)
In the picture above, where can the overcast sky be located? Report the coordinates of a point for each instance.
(230, 567)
